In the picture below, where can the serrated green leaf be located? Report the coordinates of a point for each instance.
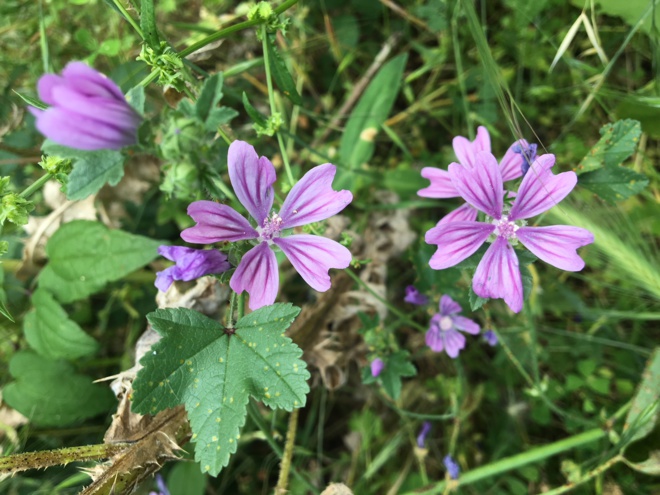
(254, 114)
(148, 25)
(30, 100)
(91, 169)
(618, 142)
(49, 393)
(86, 251)
(213, 372)
(357, 142)
(219, 116)
(135, 98)
(643, 413)
(280, 72)
(66, 291)
(614, 183)
(397, 366)
(209, 96)
(51, 333)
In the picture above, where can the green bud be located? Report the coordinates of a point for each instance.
(56, 165)
(15, 209)
(262, 11)
(273, 124)
(181, 180)
(166, 63)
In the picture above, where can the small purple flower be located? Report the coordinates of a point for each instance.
(466, 152)
(423, 433)
(87, 110)
(312, 199)
(491, 338)
(498, 274)
(443, 332)
(413, 296)
(162, 489)
(377, 366)
(190, 264)
(528, 155)
(452, 467)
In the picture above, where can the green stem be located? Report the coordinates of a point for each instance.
(273, 107)
(391, 308)
(518, 460)
(533, 345)
(127, 16)
(285, 467)
(240, 306)
(36, 185)
(591, 474)
(223, 33)
(149, 79)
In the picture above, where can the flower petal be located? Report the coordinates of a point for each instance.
(464, 213)
(83, 78)
(312, 256)
(498, 275)
(556, 244)
(441, 184)
(454, 342)
(434, 338)
(312, 199)
(165, 278)
(45, 87)
(216, 222)
(540, 189)
(481, 186)
(110, 112)
(466, 325)
(467, 150)
(257, 273)
(456, 241)
(252, 179)
(448, 306)
(511, 162)
(173, 253)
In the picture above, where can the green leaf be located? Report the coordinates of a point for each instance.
(51, 394)
(91, 170)
(614, 183)
(219, 116)
(280, 71)
(649, 466)
(643, 413)
(209, 96)
(30, 100)
(213, 372)
(66, 291)
(148, 25)
(404, 182)
(135, 98)
(618, 142)
(186, 478)
(85, 251)
(5, 312)
(475, 301)
(51, 333)
(357, 142)
(397, 366)
(254, 114)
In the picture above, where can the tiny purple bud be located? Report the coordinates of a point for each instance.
(423, 433)
(528, 155)
(452, 467)
(490, 337)
(377, 366)
(414, 297)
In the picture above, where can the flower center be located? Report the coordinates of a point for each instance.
(528, 155)
(271, 228)
(505, 228)
(446, 323)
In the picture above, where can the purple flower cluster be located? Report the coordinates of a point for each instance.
(312, 199)
(87, 110)
(479, 180)
(443, 333)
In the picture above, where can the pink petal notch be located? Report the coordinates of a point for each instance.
(258, 275)
(215, 223)
(498, 275)
(556, 244)
(252, 178)
(312, 256)
(448, 306)
(312, 199)
(466, 150)
(456, 241)
(482, 185)
(441, 184)
(540, 190)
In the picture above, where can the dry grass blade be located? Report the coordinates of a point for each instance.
(568, 39)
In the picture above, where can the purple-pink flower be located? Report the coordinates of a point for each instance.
(190, 264)
(423, 433)
(413, 296)
(498, 273)
(87, 110)
(312, 199)
(377, 366)
(512, 166)
(491, 338)
(452, 467)
(443, 332)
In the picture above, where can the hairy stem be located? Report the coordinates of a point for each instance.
(128, 17)
(35, 186)
(285, 466)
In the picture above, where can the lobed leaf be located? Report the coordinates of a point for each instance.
(614, 183)
(618, 142)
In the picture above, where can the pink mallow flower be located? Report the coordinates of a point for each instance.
(443, 332)
(498, 273)
(512, 166)
(87, 110)
(190, 264)
(312, 199)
